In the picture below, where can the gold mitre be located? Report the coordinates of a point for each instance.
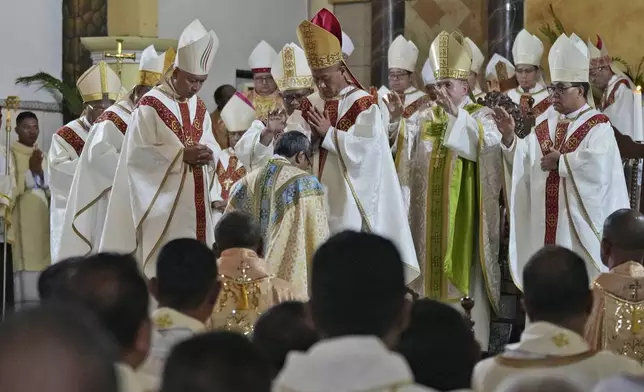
(153, 66)
(323, 48)
(290, 69)
(450, 57)
(99, 82)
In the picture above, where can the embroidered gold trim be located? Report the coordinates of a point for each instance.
(548, 362)
(148, 78)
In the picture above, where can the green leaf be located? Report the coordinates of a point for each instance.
(70, 95)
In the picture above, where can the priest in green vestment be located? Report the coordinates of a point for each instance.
(456, 172)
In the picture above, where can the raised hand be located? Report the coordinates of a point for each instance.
(320, 122)
(394, 105)
(505, 123)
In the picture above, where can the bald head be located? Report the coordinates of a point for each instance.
(55, 348)
(623, 237)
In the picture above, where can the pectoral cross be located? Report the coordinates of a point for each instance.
(227, 184)
(120, 56)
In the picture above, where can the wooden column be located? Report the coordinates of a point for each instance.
(81, 18)
(505, 20)
(387, 22)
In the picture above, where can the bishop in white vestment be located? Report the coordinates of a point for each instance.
(617, 91)
(99, 87)
(160, 191)
(90, 191)
(527, 51)
(456, 184)
(475, 70)
(238, 115)
(293, 77)
(404, 103)
(566, 176)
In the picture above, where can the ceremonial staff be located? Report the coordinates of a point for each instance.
(11, 103)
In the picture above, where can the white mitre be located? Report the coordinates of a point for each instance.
(527, 49)
(428, 74)
(262, 58)
(99, 82)
(477, 56)
(290, 69)
(153, 66)
(403, 54)
(347, 45)
(499, 68)
(238, 114)
(196, 50)
(568, 60)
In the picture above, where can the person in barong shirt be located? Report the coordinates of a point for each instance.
(566, 176)
(475, 70)
(404, 103)
(294, 79)
(161, 186)
(187, 288)
(99, 88)
(90, 191)
(617, 91)
(527, 51)
(29, 222)
(456, 183)
(618, 309)
(499, 74)
(250, 284)
(354, 163)
(264, 96)
(238, 115)
(289, 204)
(558, 301)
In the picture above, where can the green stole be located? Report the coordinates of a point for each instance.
(452, 210)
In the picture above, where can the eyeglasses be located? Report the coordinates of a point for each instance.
(559, 89)
(293, 97)
(263, 79)
(398, 76)
(521, 71)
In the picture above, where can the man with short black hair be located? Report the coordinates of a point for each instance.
(56, 348)
(566, 175)
(250, 285)
(290, 206)
(54, 283)
(218, 361)
(186, 288)
(558, 301)
(282, 329)
(439, 346)
(111, 286)
(354, 353)
(622, 288)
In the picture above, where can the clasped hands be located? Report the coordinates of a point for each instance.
(197, 155)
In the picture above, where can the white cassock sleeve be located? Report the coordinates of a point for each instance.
(62, 166)
(250, 151)
(104, 149)
(462, 135)
(364, 150)
(621, 113)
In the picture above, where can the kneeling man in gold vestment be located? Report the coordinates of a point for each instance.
(618, 314)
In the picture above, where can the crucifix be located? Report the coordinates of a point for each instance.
(120, 56)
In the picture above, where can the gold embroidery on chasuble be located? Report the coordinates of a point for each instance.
(623, 323)
(163, 321)
(450, 202)
(189, 133)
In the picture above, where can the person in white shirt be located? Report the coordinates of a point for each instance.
(527, 51)
(113, 289)
(617, 91)
(558, 301)
(186, 288)
(566, 176)
(359, 308)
